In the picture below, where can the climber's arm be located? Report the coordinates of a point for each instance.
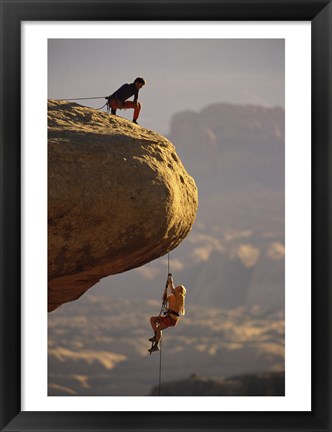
(171, 284)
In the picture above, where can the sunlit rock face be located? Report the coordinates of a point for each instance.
(118, 197)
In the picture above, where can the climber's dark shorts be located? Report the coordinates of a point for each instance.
(168, 321)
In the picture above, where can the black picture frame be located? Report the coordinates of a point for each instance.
(13, 12)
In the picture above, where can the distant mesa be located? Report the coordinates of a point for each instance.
(118, 198)
(242, 144)
(260, 384)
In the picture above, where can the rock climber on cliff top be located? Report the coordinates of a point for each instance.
(118, 100)
(176, 308)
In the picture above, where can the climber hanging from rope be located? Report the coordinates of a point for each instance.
(174, 299)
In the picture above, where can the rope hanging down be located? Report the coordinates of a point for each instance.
(163, 307)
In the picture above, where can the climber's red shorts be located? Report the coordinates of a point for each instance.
(168, 321)
(115, 104)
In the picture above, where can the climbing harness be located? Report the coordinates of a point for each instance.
(108, 104)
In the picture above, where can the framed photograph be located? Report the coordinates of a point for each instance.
(230, 125)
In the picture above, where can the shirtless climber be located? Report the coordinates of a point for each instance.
(176, 308)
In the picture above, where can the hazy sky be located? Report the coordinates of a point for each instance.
(181, 74)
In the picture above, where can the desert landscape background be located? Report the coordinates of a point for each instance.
(232, 264)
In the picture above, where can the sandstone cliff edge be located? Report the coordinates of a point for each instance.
(118, 198)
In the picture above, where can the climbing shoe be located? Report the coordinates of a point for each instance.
(153, 348)
(135, 121)
(153, 339)
(113, 111)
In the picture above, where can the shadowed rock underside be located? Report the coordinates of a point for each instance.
(118, 198)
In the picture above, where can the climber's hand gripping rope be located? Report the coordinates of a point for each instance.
(164, 308)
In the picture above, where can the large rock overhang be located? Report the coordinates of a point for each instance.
(118, 198)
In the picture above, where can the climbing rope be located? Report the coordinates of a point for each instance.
(76, 99)
(168, 272)
(103, 106)
(161, 346)
(98, 97)
(163, 307)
